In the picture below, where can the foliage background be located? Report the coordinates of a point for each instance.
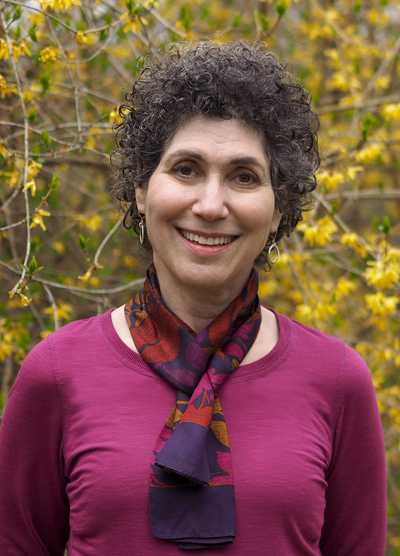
(64, 67)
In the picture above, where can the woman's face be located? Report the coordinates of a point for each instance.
(213, 181)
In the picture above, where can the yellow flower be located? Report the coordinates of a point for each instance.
(85, 38)
(324, 310)
(319, 234)
(382, 83)
(6, 90)
(371, 153)
(86, 277)
(21, 49)
(131, 27)
(64, 311)
(4, 152)
(352, 172)
(59, 247)
(94, 281)
(351, 239)
(49, 54)
(391, 112)
(385, 272)
(381, 305)
(129, 261)
(267, 288)
(343, 287)
(24, 300)
(32, 186)
(331, 180)
(6, 346)
(37, 219)
(4, 54)
(377, 17)
(37, 19)
(92, 223)
(33, 169)
(59, 5)
(114, 117)
(304, 312)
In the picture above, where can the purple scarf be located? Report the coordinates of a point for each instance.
(191, 494)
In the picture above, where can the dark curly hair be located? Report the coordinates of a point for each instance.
(234, 80)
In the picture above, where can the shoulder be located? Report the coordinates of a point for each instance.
(41, 363)
(331, 356)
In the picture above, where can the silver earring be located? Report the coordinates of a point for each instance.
(273, 253)
(142, 228)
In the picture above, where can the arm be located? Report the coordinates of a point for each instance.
(356, 504)
(33, 503)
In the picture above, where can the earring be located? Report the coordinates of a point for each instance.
(142, 228)
(273, 253)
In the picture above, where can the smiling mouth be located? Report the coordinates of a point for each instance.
(207, 241)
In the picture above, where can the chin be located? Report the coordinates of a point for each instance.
(204, 275)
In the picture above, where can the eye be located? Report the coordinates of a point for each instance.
(184, 170)
(246, 178)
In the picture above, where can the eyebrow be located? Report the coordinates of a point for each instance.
(245, 159)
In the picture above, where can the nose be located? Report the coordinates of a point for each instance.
(210, 202)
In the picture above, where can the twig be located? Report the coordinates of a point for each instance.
(369, 195)
(72, 289)
(26, 159)
(104, 242)
(54, 305)
(46, 14)
(4, 228)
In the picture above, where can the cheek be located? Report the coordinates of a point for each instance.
(257, 215)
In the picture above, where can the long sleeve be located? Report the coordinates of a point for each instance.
(33, 504)
(356, 499)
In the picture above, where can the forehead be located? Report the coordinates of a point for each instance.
(218, 139)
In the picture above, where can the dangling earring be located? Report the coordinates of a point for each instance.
(273, 253)
(142, 228)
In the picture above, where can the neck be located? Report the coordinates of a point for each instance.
(195, 306)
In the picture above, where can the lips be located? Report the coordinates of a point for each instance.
(209, 237)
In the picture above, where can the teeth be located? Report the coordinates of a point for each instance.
(206, 240)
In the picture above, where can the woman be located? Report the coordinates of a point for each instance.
(191, 417)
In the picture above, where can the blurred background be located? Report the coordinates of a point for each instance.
(65, 66)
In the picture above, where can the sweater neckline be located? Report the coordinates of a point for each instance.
(244, 372)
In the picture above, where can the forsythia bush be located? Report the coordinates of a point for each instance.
(64, 67)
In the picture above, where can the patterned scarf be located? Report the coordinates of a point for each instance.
(191, 494)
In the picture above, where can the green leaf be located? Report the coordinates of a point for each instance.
(33, 266)
(281, 8)
(368, 124)
(33, 116)
(54, 182)
(386, 225)
(82, 242)
(103, 35)
(17, 13)
(382, 224)
(32, 32)
(45, 82)
(236, 21)
(17, 32)
(46, 139)
(186, 17)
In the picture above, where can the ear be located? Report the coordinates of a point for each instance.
(140, 196)
(276, 218)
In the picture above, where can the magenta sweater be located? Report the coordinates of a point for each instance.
(85, 411)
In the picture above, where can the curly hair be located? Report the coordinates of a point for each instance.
(234, 80)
